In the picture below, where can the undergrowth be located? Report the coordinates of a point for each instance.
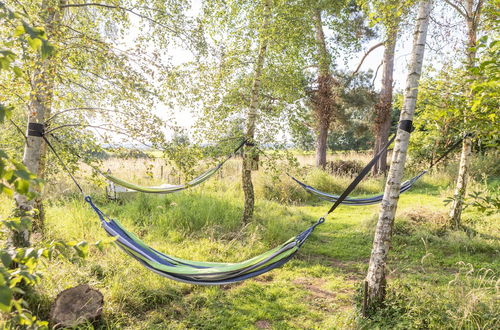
(438, 278)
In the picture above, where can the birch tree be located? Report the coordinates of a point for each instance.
(90, 78)
(40, 102)
(470, 11)
(249, 152)
(376, 277)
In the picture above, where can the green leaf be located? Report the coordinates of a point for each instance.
(5, 298)
(23, 174)
(19, 31)
(35, 44)
(17, 71)
(22, 186)
(47, 49)
(5, 112)
(6, 259)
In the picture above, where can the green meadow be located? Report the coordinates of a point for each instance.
(438, 278)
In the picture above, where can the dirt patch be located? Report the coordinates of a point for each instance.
(420, 216)
(265, 278)
(263, 324)
(313, 285)
(349, 268)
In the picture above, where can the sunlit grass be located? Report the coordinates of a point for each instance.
(428, 286)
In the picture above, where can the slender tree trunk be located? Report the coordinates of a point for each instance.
(250, 152)
(376, 272)
(39, 110)
(321, 143)
(384, 106)
(323, 101)
(472, 17)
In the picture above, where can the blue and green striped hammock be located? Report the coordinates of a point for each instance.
(405, 186)
(201, 273)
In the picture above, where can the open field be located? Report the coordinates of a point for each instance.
(438, 278)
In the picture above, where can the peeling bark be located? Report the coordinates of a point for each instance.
(382, 124)
(376, 277)
(323, 100)
(249, 152)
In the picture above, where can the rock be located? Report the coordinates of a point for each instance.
(76, 305)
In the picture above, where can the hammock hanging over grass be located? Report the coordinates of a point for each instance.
(194, 272)
(405, 186)
(168, 188)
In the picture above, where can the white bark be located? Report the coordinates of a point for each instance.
(39, 110)
(472, 16)
(381, 244)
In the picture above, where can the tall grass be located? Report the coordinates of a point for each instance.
(429, 283)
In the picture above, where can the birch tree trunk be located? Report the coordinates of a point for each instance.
(39, 110)
(323, 101)
(384, 106)
(472, 17)
(376, 281)
(250, 152)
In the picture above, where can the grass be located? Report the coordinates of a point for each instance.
(438, 278)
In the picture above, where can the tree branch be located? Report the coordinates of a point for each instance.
(376, 73)
(366, 54)
(95, 4)
(82, 108)
(457, 8)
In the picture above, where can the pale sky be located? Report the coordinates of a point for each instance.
(179, 56)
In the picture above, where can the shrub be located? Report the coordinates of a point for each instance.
(344, 167)
(282, 189)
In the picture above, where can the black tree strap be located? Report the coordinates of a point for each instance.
(36, 129)
(360, 176)
(406, 125)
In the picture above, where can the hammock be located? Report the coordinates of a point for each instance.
(405, 186)
(201, 273)
(168, 188)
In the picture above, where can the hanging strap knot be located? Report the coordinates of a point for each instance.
(36, 129)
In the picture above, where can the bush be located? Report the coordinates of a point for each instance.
(344, 167)
(282, 189)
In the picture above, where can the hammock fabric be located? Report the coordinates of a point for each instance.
(405, 186)
(164, 189)
(201, 273)
(168, 189)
